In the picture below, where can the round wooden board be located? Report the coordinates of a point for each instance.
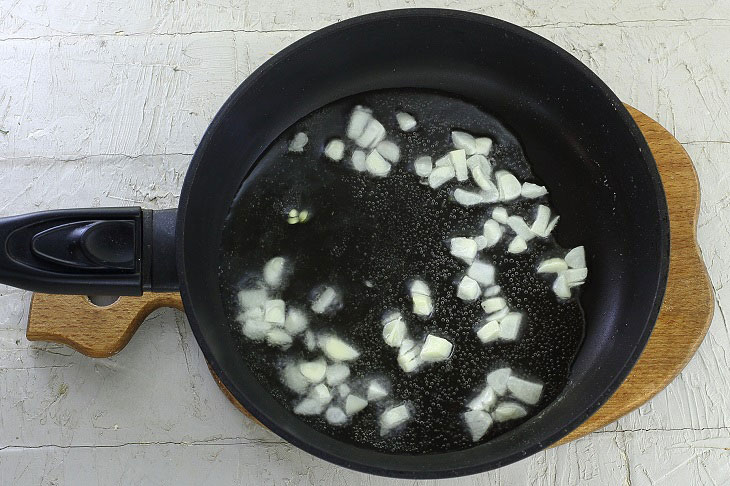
(680, 328)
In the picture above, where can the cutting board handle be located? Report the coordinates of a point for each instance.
(90, 329)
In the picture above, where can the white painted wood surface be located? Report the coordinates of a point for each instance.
(103, 101)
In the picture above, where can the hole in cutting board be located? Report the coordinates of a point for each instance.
(102, 300)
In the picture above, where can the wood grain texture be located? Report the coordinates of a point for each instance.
(680, 328)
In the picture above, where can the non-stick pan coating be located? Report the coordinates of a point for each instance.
(579, 138)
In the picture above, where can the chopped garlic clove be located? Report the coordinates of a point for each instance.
(468, 289)
(406, 122)
(551, 226)
(490, 193)
(552, 265)
(464, 141)
(576, 258)
(394, 329)
(422, 304)
(321, 393)
(277, 337)
(255, 329)
(423, 166)
(575, 276)
(376, 164)
(499, 315)
(338, 350)
(542, 219)
(531, 191)
(458, 161)
(508, 411)
(376, 391)
(560, 287)
(497, 379)
(335, 149)
(409, 360)
(354, 404)
(251, 298)
(481, 170)
(298, 143)
(526, 391)
(336, 373)
(517, 245)
(358, 161)
(483, 145)
(358, 121)
(389, 151)
(492, 232)
(343, 390)
(481, 242)
(393, 417)
(335, 416)
(499, 214)
(464, 249)
(294, 379)
(310, 342)
(508, 185)
(435, 349)
(482, 180)
(274, 271)
(478, 422)
(274, 312)
(509, 326)
(373, 134)
(309, 406)
(486, 399)
(325, 300)
(296, 321)
(467, 198)
(440, 176)
(518, 225)
(489, 332)
(444, 161)
(314, 371)
(493, 304)
(492, 291)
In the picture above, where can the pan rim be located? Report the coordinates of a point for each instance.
(367, 466)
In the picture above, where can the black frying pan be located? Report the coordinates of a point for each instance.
(579, 138)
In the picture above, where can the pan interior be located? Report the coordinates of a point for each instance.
(577, 136)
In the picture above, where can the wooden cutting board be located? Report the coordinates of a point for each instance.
(682, 324)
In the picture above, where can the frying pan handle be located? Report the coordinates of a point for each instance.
(100, 251)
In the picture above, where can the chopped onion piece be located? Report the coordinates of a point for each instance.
(358, 121)
(552, 265)
(335, 416)
(314, 371)
(309, 406)
(519, 226)
(358, 161)
(499, 315)
(492, 232)
(436, 349)
(298, 143)
(490, 193)
(423, 166)
(493, 304)
(510, 325)
(420, 287)
(274, 271)
(321, 393)
(492, 291)
(481, 179)
(464, 249)
(458, 161)
(508, 185)
(560, 287)
(440, 176)
(393, 417)
(489, 332)
(296, 321)
(326, 299)
(408, 356)
(294, 379)
(376, 164)
(464, 141)
(421, 296)
(250, 298)
(354, 404)
(394, 329)
(373, 134)
(499, 214)
(523, 390)
(343, 390)
(575, 276)
(468, 289)
(484, 401)
(517, 245)
(551, 226)
(376, 391)
(277, 337)
(508, 411)
(478, 422)
(310, 342)
(576, 258)
(541, 220)
(481, 242)
(389, 151)
(274, 311)
(483, 145)
(497, 379)
(467, 198)
(336, 373)
(335, 149)
(444, 161)
(531, 191)
(406, 122)
(255, 329)
(338, 350)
